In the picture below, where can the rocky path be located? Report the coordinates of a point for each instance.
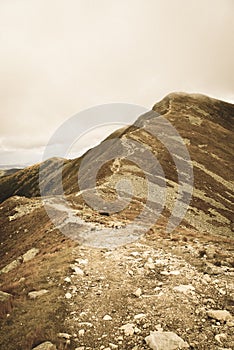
(116, 298)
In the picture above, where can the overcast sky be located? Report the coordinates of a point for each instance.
(59, 57)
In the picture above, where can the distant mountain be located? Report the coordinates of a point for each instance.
(206, 126)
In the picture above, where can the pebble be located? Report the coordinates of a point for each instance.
(165, 273)
(88, 324)
(184, 288)
(220, 337)
(149, 265)
(107, 318)
(68, 295)
(77, 270)
(220, 315)
(135, 254)
(138, 316)
(128, 329)
(37, 294)
(81, 332)
(138, 293)
(82, 261)
(175, 273)
(67, 279)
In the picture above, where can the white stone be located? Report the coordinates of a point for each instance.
(220, 315)
(149, 265)
(87, 324)
(184, 288)
(11, 266)
(107, 318)
(68, 295)
(37, 294)
(128, 329)
(165, 341)
(77, 270)
(165, 273)
(138, 292)
(82, 261)
(135, 254)
(220, 337)
(81, 332)
(4, 296)
(175, 273)
(45, 346)
(139, 316)
(30, 254)
(67, 279)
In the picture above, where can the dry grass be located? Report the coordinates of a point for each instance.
(31, 322)
(5, 308)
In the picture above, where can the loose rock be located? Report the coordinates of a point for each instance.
(4, 296)
(138, 293)
(128, 329)
(77, 270)
(220, 315)
(165, 341)
(68, 296)
(45, 346)
(30, 254)
(107, 318)
(220, 337)
(37, 294)
(183, 288)
(11, 266)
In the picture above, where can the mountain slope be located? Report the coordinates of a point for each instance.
(206, 126)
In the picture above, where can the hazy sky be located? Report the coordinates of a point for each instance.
(58, 57)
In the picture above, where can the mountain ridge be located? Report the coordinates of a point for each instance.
(206, 126)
